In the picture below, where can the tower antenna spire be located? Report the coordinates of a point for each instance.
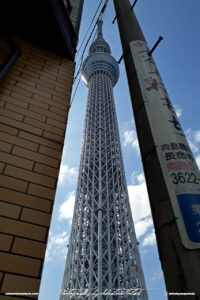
(99, 30)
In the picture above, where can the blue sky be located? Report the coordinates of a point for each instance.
(177, 59)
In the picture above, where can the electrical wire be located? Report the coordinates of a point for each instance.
(81, 59)
(89, 27)
(100, 17)
(74, 93)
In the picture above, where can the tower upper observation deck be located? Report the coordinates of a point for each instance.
(100, 59)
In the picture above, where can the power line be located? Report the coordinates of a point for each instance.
(81, 59)
(74, 93)
(101, 15)
(89, 27)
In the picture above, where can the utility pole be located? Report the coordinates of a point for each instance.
(172, 175)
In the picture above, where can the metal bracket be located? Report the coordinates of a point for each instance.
(132, 6)
(123, 55)
(113, 21)
(155, 46)
(119, 61)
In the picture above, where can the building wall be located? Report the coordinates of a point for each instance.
(76, 13)
(34, 103)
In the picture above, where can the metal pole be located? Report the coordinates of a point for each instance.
(100, 206)
(168, 188)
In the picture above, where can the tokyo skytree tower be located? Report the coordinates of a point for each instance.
(103, 261)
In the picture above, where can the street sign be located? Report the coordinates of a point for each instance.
(178, 165)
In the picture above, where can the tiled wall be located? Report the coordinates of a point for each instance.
(34, 103)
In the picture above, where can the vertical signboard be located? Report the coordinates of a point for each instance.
(179, 168)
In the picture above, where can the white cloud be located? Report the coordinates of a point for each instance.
(130, 138)
(197, 136)
(134, 176)
(137, 178)
(67, 174)
(141, 227)
(150, 240)
(139, 201)
(66, 208)
(141, 178)
(192, 137)
(140, 207)
(193, 146)
(156, 276)
(178, 110)
(198, 161)
(57, 246)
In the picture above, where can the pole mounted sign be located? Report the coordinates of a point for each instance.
(179, 168)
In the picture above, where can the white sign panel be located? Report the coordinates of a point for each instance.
(180, 170)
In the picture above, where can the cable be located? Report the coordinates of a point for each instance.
(81, 59)
(75, 92)
(79, 64)
(89, 27)
(101, 15)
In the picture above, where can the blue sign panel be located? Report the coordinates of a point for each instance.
(190, 209)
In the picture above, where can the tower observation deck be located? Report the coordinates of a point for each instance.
(103, 261)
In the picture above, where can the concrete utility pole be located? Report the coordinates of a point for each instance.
(172, 176)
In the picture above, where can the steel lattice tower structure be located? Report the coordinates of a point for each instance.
(103, 253)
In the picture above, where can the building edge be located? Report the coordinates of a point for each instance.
(36, 68)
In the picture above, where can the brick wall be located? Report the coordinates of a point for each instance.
(34, 103)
